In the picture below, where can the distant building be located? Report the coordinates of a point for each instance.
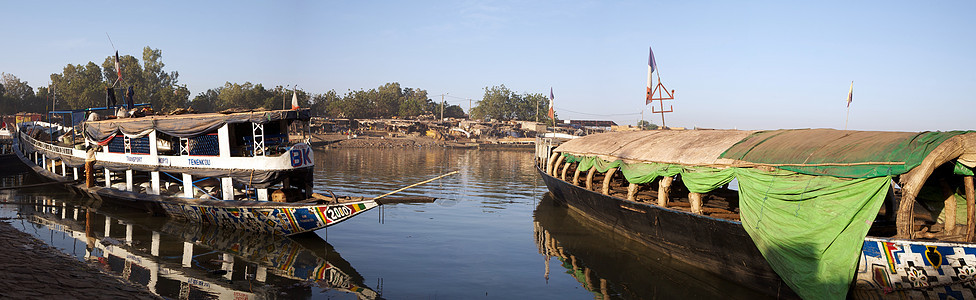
(592, 123)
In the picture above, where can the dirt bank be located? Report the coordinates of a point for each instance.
(328, 141)
(33, 270)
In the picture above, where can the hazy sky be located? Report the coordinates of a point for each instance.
(733, 64)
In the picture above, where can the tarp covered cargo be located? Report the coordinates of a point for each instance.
(185, 125)
(807, 197)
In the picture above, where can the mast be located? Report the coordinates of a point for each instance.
(657, 92)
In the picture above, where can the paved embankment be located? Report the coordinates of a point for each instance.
(29, 269)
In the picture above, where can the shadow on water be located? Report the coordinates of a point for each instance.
(612, 266)
(183, 260)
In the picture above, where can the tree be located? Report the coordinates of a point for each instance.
(645, 125)
(16, 95)
(206, 101)
(150, 82)
(79, 86)
(503, 104)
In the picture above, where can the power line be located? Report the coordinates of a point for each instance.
(599, 115)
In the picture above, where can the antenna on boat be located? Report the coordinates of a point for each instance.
(658, 89)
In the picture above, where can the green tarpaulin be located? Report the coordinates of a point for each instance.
(839, 153)
(809, 228)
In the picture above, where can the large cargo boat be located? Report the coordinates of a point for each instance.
(251, 170)
(827, 213)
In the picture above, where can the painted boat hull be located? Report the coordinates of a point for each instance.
(257, 216)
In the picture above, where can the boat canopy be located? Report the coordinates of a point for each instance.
(184, 125)
(807, 196)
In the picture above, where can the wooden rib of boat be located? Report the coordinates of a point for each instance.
(865, 211)
(249, 170)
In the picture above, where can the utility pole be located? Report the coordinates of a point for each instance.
(284, 99)
(442, 106)
(469, 108)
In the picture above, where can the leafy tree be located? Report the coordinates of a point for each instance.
(17, 95)
(206, 101)
(503, 104)
(150, 83)
(79, 86)
(645, 125)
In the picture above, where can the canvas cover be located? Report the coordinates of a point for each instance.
(184, 125)
(809, 228)
(840, 153)
(807, 197)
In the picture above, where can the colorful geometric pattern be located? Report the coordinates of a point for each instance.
(276, 220)
(916, 270)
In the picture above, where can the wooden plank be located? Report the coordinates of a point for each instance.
(970, 208)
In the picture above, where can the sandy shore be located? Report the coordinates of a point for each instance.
(33, 270)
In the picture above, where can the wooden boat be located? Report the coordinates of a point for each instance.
(826, 213)
(220, 168)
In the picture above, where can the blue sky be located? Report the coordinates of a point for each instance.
(745, 65)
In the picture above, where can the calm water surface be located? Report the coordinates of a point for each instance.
(493, 233)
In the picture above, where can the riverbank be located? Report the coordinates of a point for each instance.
(337, 141)
(34, 270)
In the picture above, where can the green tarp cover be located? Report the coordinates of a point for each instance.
(873, 151)
(809, 228)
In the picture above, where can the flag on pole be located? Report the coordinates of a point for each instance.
(651, 66)
(118, 70)
(552, 109)
(850, 94)
(294, 99)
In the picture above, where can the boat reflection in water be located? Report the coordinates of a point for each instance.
(190, 261)
(615, 267)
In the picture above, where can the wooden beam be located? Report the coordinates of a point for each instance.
(589, 178)
(606, 181)
(696, 202)
(970, 207)
(950, 208)
(565, 168)
(632, 192)
(556, 165)
(663, 190)
(576, 176)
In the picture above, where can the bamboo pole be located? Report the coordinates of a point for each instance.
(416, 184)
(563, 174)
(970, 207)
(664, 188)
(576, 176)
(606, 181)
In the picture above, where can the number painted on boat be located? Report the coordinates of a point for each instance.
(301, 157)
(338, 212)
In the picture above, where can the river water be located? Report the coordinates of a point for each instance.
(493, 233)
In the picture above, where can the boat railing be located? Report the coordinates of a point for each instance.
(46, 146)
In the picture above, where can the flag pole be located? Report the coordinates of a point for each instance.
(850, 98)
(848, 117)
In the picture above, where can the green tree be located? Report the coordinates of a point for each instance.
(645, 125)
(206, 101)
(150, 82)
(16, 95)
(79, 86)
(503, 104)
